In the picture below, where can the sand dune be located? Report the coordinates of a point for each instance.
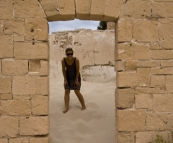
(96, 124)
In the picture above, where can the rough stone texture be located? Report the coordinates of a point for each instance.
(125, 28)
(9, 126)
(34, 65)
(163, 102)
(169, 9)
(3, 140)
(125, 138)
(15, 107)
(167, 63)
(161, 54)
(5, 84)
(158, 81)
(36, 29)
(39, 140)
(0, 68)
(124, 98)
(44, 69)
(6, 9)
(51, 9)
(148, 64)
(30, 51)
(97, 12)
(154, 46)
(119, 66)
(19, 140)
(1, 27)
(125, 79)
(133, 52)
(67, 9)
(159, 9)
(112, 10)
(6, 41)
(136, 9)
(149, 90)
(156, 121)
(143, 101)
(131, 65)
(30, 85)
(169, 83)
(131, 120)
(20, 97)
(14, 67)
(169, 121)
(15, 26)
(83, 8)
(162, 71)
(6, 96)
(34, 125)
(40, 105)
(17, 38)
(22, 9)
(165, 33)
(145, 30)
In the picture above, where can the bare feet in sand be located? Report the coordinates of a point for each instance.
(66, 110)
(83, 108)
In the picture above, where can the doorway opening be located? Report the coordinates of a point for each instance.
(95, 51)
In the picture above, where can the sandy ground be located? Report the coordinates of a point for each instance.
(96, 124)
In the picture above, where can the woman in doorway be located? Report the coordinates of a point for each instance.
(72, 78)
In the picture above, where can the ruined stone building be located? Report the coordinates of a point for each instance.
(143, 61)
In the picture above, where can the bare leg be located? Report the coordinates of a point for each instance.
(81, 99)
(66, 100)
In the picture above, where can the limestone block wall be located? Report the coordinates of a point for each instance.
(143, 55)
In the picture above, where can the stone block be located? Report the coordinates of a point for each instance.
(125, 79)
(17, 38)
(112, 10)
(167, 63)
(165, 33)
(0, 68)
(131, 65)
(148, 64)
(125, 27)
(30, 51)
(159, 9)
(14, 67)
(163, 102)
(51, 9)
(125, 137)
(158, 81)
(30, 85)
(83, 8)
(145, 30)
(154, 46)
(6, 48)
(97, 12)
(15, 26)
(44, 69)
(120, 66)
(169, 9)
(6, 96)
(162, 71)
(40, 105)
(3, 140)
(39, 140)
(124, 98)
(15, 107)
(67, 9)
(156, 121)
(34, 125)
(143, 101)
(133, 52)
(149, 90)
(36, 29)
(6, 10)
(9, 126)
(28, 8)
(169, 83)
(33, 73)
(5, 84)
(19, 140)
(20, 97)
(1, 27)
(34, 65)
(131, 120)
(170, 121)
(161, 54)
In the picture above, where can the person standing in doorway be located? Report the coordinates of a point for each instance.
(72, 78)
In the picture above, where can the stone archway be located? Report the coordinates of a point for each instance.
(143, 56)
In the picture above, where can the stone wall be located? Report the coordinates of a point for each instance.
(94, 49)
(143, 55)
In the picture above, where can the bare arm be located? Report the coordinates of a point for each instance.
(77, 69)
(63, 70)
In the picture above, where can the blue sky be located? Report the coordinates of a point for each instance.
(72, 25)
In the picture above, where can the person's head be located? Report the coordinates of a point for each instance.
(69, 52)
